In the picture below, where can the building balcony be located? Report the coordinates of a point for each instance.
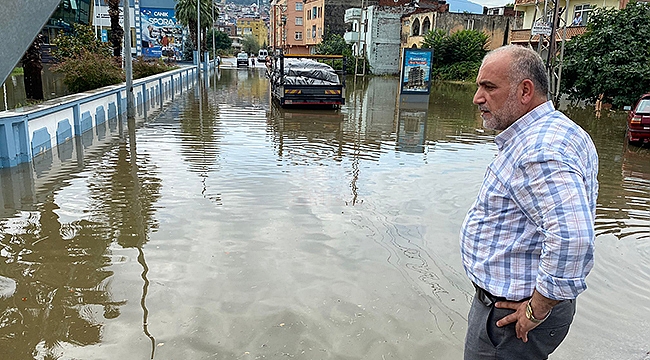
(352, 37)
(522, 36)
(352, 14)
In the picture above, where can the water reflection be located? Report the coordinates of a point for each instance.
(60, 267)
(286, 232)
(61, 282)
(12, 94)
(411, 129)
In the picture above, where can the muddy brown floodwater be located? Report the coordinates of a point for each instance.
(222, 227)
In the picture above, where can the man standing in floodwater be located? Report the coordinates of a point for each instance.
(527, 242)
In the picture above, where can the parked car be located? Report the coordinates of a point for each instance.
(638, 121)
(261, 55)
(242, 59)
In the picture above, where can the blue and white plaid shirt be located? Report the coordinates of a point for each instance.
(532, 225)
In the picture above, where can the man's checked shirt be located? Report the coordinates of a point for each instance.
(532, 225)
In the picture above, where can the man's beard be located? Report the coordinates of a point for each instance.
(502, 118)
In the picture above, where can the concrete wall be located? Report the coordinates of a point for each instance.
(28, 133)
(384, 40)
(495, 26)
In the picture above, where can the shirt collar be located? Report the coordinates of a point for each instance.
(522, 123)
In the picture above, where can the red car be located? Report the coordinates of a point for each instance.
(638, 121)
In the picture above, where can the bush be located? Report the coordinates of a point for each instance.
(89, 70)
(464, 70)
(143, 68)
(457, 56)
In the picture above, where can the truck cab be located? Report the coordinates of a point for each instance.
(242, 59)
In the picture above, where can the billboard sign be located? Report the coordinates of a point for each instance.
(162, 35)
(416, 71)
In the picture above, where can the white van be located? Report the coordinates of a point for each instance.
(262, 54)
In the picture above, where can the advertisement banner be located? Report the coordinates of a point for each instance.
(162, 35)
(416, 71)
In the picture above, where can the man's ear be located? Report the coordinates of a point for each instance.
(527, 91)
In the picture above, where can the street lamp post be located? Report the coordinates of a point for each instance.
(284, 32)
(198, 39)
(273, 25)
(213, 41)
(128, 64)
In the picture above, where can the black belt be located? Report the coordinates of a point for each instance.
(485, 297)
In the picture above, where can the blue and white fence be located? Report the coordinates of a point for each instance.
(26, 133)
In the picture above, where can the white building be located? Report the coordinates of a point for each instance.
(375, 33)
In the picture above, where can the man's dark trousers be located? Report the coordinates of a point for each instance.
(485, 340)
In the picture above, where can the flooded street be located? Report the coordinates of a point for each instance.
(220, 226)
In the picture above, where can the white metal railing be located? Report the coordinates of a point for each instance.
(352, 14)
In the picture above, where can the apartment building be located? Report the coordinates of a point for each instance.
(255, 27)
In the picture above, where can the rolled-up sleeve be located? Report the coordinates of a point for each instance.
(553, 194)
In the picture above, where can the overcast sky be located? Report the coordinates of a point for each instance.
(492, 3)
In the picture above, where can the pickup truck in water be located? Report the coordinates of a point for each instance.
(307, 80)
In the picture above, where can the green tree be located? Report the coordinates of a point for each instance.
(186, 15)
(250, 45)
(82, 38)
(334, 44)
(221, 39)
(612, 58)
(117, 33)
(457, 56)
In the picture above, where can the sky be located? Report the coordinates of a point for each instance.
(474, 6)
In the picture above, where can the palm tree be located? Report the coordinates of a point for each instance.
(186, 15)
(117, 33)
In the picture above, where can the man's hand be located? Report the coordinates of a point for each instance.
(523, 325)
(541, 307)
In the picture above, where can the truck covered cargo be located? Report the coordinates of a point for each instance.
(307, 80)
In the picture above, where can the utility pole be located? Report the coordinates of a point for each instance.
(128, 63)
(549, 25)
(198, 39)
(214, 54)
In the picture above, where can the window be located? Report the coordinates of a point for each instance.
(313, 31)
(314, 12)
(426, 24)
(299, 20)
(581, 14)
(308, 14)
(416, 27)
(299, 6)
(320, 12)
(298, 35)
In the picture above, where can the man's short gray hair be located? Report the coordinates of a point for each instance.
(526, 64)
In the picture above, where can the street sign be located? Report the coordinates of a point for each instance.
(540, 28)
